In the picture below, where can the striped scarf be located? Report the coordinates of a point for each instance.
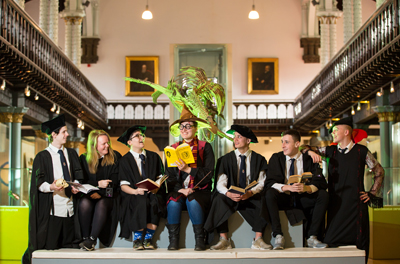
(194, 146)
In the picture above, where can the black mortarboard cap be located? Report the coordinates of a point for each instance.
(124, 138)
(344, 121)
(244, 131)
(53, 124)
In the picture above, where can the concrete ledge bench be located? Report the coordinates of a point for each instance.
(349, 255)
(239, 231)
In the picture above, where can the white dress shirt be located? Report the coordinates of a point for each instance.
(223, 178)
(63, 205)
(298, 170)
(349, 147)
(138, 160)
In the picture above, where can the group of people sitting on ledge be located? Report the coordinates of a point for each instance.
(63, 217)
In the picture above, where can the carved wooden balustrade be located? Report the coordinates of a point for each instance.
(266, 119)
(29, 57)
(369, 61)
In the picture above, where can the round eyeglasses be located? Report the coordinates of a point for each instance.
(187, 126)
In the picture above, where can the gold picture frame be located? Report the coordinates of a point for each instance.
(144, 68)
(263, 75)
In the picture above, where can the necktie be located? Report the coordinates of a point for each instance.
(143, 158)
(344, 150)
(242, 173)
(67, 177)
(291, 169)
(291, 172)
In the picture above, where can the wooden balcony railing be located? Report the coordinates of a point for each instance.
(28, 55)
(369, 60)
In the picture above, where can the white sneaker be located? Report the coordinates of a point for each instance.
(279, 242)
(260, 244)
(222, 244)
(313, 242)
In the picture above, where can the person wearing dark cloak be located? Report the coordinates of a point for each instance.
(98, 211)
(140, 209)
(185, 177)
(347, 218)
(239, 168)
(298, 197)
(52, 216)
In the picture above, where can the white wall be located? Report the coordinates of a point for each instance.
(276, 34)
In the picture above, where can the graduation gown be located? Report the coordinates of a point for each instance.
(276, 174)
(133, 212)
(348, 220)
(105, 173)
(205, 165)
(40, 204)
(221, 211)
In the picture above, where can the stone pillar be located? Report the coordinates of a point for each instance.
(379, 3)
(53, 21)
(328, 14)
(44, 15)
(73, 27)
(357, 11)
(387, 116)
(13, 116)
(347, 21)
(73, 15)
(332, 36)
(21, 3)
(324, 22)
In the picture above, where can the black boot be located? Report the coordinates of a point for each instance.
(173, 231)
(199, 236)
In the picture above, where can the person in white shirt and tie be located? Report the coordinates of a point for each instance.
(239, 168)
(297, 197)
(52, 208)
(140, 209)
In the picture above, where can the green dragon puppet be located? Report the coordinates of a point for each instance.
(202, 97)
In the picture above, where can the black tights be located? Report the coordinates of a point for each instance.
(93, 215)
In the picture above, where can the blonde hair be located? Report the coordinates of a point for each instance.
(92, 157)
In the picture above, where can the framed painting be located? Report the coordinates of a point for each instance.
(263, 77)
(143, 68)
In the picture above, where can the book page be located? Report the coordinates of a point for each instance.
(171, 156)
(185, 153)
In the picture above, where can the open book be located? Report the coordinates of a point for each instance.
(303, 178)
(151, 185)
(238, 190)
(84, 188)
(183, 152)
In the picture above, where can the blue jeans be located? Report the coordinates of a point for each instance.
(194, 209)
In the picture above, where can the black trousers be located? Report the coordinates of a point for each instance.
(317, 201)
(61, 233)
(249, 209)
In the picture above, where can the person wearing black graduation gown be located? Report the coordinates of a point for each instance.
(300, 196)
(98, 210)
(347, 218)
(239, 168)
(184, 178)
(52, 216)
(140, 209)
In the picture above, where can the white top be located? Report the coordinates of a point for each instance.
(349, 147)
(298, 170)
(138, 160)
(63, 205)
(223, 178)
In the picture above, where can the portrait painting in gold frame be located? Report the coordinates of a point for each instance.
(263, 75)
(143, 68)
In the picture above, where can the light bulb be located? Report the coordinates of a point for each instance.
(253, 13)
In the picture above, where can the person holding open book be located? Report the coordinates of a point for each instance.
(300, 195)
(190, 185)
(241, 168)
(140, 209)
(98, 210)
(52, 214)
